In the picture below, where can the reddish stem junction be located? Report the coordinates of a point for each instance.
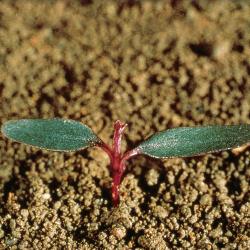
(117, 159)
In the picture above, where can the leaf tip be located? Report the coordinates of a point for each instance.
(4, 128)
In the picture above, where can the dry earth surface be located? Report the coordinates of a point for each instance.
(154, 65)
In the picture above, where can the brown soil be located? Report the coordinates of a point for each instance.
(148, 63)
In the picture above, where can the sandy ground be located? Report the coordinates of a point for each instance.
(154, 65)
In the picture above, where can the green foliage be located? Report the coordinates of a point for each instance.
(68, 135)
(191, 141)
(51, 134)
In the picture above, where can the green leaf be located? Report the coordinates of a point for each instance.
(51, 134)
(191, 141)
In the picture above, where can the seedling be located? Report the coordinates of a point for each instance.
(70, 135)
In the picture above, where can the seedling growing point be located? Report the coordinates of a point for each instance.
(69, 135)
(117, 159)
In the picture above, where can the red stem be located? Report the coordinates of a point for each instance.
(117, 159)
(119, 128)
(130, 154)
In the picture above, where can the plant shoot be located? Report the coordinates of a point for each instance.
(70, 135)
